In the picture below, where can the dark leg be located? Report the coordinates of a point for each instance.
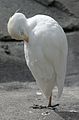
(50, 105)
(50, 100)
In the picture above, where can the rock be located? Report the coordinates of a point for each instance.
(71, 5)
(44, 114)
(11, 53)
(16, 105)
(12, 63)
(16, 102)
(13, 66)
(46, 2)
(69, 115)
(73, 59)
(58, 10)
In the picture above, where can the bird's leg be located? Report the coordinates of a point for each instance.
(50, 100)
(52, 106)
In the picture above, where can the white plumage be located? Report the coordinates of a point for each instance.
(45, 47)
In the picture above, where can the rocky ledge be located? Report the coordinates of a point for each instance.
(12, 62)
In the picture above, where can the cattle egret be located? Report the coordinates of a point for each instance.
(45, 48)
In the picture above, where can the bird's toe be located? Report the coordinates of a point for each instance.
(38, 107)
(53, 107)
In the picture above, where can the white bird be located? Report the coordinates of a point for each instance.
(45, 47)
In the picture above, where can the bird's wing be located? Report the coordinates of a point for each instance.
(54, 48)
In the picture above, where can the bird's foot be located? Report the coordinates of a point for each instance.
(38, 107)
(45, 107)
(53, 107)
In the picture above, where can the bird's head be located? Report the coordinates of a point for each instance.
(17, 27)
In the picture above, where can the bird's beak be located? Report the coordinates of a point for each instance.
(26, 38)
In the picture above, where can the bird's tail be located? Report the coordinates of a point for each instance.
(60, 86)
(60, 90)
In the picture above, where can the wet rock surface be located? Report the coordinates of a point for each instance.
(17, 97)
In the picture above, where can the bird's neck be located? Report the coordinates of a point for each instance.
(31, 23)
